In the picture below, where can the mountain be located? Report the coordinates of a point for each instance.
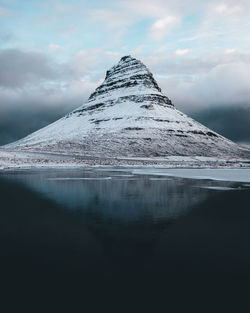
(128, 116)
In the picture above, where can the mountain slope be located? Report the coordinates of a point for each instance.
(128, 115)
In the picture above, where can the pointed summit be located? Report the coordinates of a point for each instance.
(129, 77)
(129, 80)
(128, 115)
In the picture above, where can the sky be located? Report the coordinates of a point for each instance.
(53, 54)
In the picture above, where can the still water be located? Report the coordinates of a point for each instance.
(111, 239)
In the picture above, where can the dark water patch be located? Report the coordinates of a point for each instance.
(122, 244)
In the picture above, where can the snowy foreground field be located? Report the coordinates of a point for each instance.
(186, 167)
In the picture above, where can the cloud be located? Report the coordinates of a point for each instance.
(230, 50)
(226, 21)
(182, 51)
(224, 8)
(226, 83)
(207, 80)
(55, 48)
(189, 63)
(121, 15)
(143, 8)
(111, 17)
(35, 90)
(221, 120)
(19, 68)
(161, 27)
(27, 109)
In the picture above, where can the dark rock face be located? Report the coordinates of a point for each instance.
(128, 115)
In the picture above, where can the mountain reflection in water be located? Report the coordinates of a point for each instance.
(129, 231)
(116, 197)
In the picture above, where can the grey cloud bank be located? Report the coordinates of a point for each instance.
(19, 68)
(231, 122)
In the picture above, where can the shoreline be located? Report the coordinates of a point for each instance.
(15, 160)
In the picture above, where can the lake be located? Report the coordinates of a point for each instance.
(108, 239)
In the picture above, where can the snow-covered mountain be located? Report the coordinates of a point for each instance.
(128, 115)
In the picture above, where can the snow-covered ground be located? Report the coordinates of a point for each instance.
(19, 160)
(167, 166)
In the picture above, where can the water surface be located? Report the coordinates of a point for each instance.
(109, 238)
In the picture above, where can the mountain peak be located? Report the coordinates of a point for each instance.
(127, 58)
(128, 115)
(125, 61)
(128, 77)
